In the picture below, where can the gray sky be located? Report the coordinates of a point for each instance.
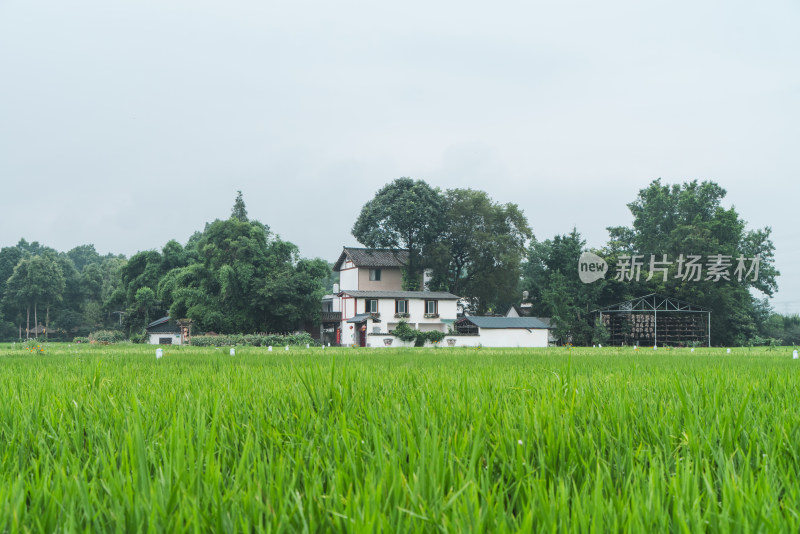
(128, 123)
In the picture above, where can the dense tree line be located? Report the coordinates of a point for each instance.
(235, 276)
(670, 224)
(68, 293)
(485, 252)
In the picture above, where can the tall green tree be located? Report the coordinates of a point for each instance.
(550, 275)
(404, 214)
(686, 219)
(36, 280)
(246, 280)
(146, 301)
(239, 211)
(84, 255)
(479, 254)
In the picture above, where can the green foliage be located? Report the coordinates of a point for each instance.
(245, 280)
(83, 256)
(478, 441)
(667, 219)
(254, 340)
(36, 280)
(600, 334)
(785, 327)
(404, 332)
(434, 336)
(690, 219)
(239, 212)
(106, 336)
(479, 254)
(550, 277)
(473, 245)
(404, 214)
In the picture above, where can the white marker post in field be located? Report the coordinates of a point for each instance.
(233, 351)
(160, 353)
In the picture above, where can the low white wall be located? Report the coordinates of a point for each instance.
(513, 337)
(510, 337)
(388, 340)
(154, 338)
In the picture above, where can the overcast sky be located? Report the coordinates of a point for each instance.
(128, 123)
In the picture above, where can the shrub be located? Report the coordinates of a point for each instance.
(106, 336)
(254, 340)
(405, 333)
(434, 336)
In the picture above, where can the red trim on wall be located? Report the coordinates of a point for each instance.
(344, 307)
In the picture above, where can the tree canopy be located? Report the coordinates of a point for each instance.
(472, 245)
(233, 276)
(406, 214)
(479, 253)
(672, 224)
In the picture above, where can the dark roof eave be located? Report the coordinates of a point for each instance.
(429, 295)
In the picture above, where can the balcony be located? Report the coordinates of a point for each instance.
(331, 317)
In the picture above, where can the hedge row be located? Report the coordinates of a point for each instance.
(255, 340)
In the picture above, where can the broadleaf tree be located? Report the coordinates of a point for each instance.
(404, 214)
(479, 254)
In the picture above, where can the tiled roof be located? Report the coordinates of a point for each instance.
(162, 326)
(429, 295)
(505, 322)
(372, 257)
(362, 317)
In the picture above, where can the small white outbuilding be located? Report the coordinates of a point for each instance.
(164, 332)
(504, 331)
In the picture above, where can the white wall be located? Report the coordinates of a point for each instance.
(176, 338)
(512, 337)
(447, 310)
(351, 307)
(495, 337)
(348, 279)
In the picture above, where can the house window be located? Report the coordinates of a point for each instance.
(401, 306)
(375, 275)
(431, 307)
(372, 306)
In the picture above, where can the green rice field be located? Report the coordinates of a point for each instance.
(109, 439)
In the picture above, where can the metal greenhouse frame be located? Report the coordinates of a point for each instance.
(654, 319)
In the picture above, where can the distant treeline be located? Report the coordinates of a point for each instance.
(237, 277)
(234, 276)
(486, 253)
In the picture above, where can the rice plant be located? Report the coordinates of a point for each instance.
(418, 440)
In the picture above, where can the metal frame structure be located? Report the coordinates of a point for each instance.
(638, 321)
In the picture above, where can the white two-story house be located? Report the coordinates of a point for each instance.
(370, 300)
